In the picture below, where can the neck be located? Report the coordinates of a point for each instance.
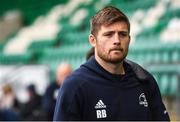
(114, 68)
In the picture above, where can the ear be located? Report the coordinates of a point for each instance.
(92, 40)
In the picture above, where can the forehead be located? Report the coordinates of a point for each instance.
(118, 26)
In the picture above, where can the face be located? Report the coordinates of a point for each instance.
(112, 42)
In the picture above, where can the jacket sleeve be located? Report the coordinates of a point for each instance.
(158, 110)
(67, 105)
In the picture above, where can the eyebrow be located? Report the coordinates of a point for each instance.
(108, 32)
(111, 32)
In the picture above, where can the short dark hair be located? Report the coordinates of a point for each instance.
(107, 16)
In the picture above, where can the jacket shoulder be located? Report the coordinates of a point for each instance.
(145, 78)
(140, 72)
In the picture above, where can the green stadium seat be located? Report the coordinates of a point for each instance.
(167, 77)
(72, 44)
(75, 38)
(164, 81)
(15, 59)
(173, 87)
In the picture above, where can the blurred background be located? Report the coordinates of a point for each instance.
(36, 36)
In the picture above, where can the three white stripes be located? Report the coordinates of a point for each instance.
(100, 104)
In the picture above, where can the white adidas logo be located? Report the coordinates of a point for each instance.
(100, 104)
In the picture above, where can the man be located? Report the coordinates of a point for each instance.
(31, 110)
(107, 86)
(49, 99)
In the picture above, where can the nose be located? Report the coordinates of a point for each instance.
(116, 40)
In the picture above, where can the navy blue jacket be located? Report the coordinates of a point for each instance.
(49, 100)
(92, 93)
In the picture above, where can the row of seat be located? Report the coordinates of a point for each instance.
(30, 7)
(168, 83)
(154, 32)
(167, 77)
(67, 27)
(37, 47)
(52, 64)
(73, 41)
(15, 59)
(75, 38)
(154, 53)
(130, 6)
(66, 52)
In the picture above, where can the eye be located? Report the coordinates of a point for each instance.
(108, 34)
(123, 34)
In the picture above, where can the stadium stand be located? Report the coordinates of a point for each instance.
(59, 30)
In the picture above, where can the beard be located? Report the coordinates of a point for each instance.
(112, 58)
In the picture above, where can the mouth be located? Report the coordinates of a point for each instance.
(117, 49)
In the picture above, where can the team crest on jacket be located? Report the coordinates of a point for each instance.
(143, 100)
